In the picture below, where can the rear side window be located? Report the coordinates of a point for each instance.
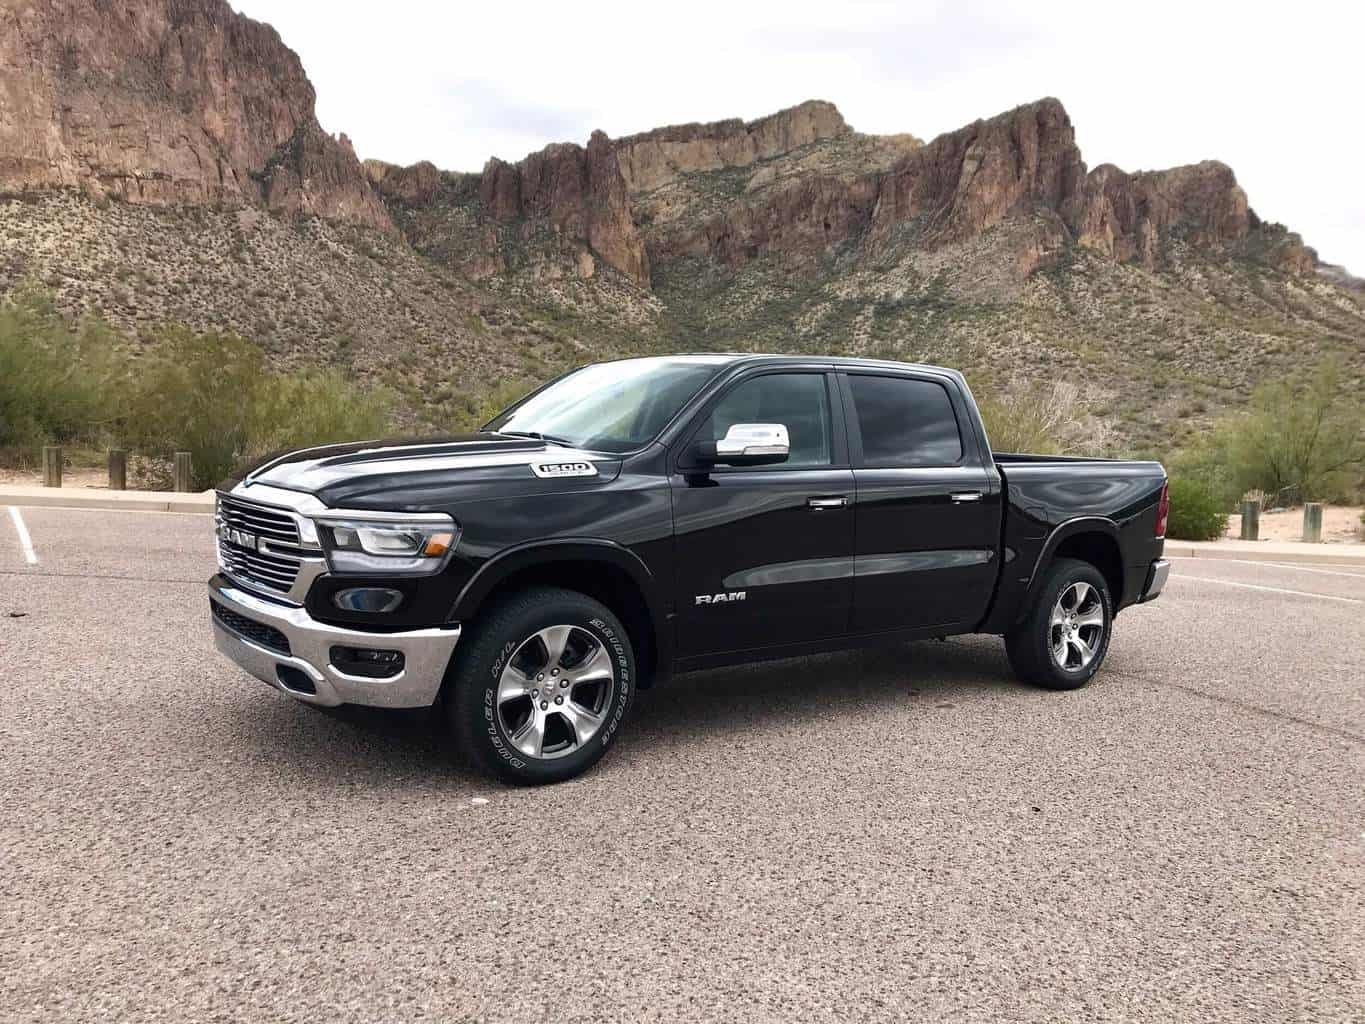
(905, 422)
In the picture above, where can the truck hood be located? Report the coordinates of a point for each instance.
(431, 473)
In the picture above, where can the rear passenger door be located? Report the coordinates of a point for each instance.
(927, 513)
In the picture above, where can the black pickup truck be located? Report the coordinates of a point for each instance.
(634, 519)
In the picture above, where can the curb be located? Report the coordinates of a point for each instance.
(122, 501)
(1178, 549)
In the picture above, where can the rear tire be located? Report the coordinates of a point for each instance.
(1062, 641)
(543, 686)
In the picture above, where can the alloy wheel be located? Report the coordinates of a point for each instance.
(1076, 626)
(554, 691)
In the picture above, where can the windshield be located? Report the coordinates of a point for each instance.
(611, 407)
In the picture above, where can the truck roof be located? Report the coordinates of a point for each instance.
(732, 358)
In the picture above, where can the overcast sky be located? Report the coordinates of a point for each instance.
(1276, 90)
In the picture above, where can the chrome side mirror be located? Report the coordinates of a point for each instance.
(747, 444)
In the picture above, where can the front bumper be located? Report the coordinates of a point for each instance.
(308, 663)
(1156, 580)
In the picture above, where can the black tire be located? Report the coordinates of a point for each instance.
(504, 639)
(1031, 644)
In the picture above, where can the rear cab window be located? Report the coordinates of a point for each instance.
(904, 422)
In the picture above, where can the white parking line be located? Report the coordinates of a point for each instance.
(25, 541)
(1273, 590)
(1277, 565)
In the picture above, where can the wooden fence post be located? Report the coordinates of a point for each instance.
(183, 477)
(52, 466)
(118, 469)
(1251, 520)
(1312, 522)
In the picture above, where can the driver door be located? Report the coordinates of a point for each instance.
(765, 553)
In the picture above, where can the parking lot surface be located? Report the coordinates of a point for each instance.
(881, 835)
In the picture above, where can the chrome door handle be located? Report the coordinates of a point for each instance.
(820, 503)
(960, 496)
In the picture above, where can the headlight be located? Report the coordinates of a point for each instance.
(388, 545)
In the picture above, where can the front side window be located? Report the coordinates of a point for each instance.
(610, 407)
(798, 401)
(905, 422)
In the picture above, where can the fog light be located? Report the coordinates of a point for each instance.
(367, 599)
(367, 661)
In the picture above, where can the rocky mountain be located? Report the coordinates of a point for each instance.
(161, 159)
(167, 101)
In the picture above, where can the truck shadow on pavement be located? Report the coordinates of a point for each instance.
(383, 747)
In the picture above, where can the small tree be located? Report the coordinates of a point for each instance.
(1300, 439)
(1045, 419)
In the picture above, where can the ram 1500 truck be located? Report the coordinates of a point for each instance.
(639, 518)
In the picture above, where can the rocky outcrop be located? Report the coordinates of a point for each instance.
(164, 101)
(578, 193)
(1022, 164)
(1130, 216)
(969, 180)
(654, 158)
(417, 185)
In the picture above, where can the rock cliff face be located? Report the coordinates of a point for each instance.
(579, 193)
(1024, 163)
(658, 157)
(165, 101)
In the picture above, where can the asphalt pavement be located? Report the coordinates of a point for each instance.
(881, 835)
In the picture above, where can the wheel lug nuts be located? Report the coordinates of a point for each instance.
(559, 700)
(554, 671)
(563, 683)
(540, 676)
(535, 693)
(543, 705)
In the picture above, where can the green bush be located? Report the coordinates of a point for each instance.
(196, 393)
(1300, 440)
(210, 394)
(1196, 511)
(56, 383)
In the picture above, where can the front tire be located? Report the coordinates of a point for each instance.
(1062, 641)
(543, 687)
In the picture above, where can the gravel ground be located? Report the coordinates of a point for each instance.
(883, 835)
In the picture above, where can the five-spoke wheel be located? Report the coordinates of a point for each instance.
(552, 694)
(1076, 626)
(1062, 640)
(542, 686)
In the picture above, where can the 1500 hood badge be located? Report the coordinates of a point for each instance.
(554, 470)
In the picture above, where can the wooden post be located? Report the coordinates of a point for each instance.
(183, 477)
(118, 469)
(1251, 520)
(52, 466)
(1312, 522)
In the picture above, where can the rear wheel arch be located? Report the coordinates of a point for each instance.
(1094, 540)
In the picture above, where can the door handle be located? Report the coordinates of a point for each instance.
(962, 496)
(822, 503)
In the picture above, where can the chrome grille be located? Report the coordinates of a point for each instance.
(275, 562)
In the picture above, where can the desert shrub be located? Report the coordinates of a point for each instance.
(314, 407)
(1300, 439)
(211, 395)
(1197, 512)
(195, 393)
(1043, 419)
(57, 383)
(479, 409)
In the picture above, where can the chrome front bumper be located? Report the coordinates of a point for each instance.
(426, 653)
(1156, 579)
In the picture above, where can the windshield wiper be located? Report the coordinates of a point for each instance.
(536, 435)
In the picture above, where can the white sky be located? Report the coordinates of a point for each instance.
(1273, 89)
